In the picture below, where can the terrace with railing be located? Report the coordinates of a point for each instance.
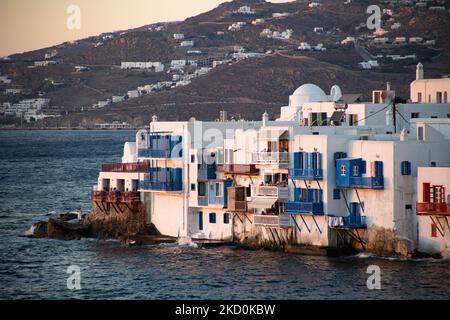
(280, 221)
(115, 196)
(163, 179)
(305, 174)
(245, 169)
(162, 146)
(426, 208)
(125, 167)
(271, 191)
(297, 207)
(348, 222)
(270, 157)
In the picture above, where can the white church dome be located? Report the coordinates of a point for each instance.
(307, 93)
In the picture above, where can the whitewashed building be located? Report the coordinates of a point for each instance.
(326, 173)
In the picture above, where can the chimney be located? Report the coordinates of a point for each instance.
(223, 117)
(155, 118)
(265, 119)
(419, 71)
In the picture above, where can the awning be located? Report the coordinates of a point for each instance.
(261, 203)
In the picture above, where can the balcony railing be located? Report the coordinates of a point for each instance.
(424, 208)
(155, 153)
(281, 221)
(278, 192)
(205, 201)
(349, 222)
(305, 174)
(237, 206)
(271, 157)
(116, 196)
(125, 167)
(247, 169)
(362, 182)
(314, 208)
(160, 186)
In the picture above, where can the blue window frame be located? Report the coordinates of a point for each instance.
(200, 220)
(336, 194)
(226, 218)
(212, 217)
(406, 168)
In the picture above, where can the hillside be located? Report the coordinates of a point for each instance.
(243, 87)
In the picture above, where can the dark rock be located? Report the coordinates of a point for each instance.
(68, 216)
(40, 229)
(61, 230)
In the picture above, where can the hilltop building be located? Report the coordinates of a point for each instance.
(429, 90)
(328, 173)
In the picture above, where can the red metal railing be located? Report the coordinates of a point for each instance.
(104, 196)
(238, 168)
(125, 167)
(428, 208)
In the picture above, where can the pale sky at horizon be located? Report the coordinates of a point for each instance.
(33, 24)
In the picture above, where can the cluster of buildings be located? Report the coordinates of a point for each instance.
(28, 110)
(236, 26)
(329, 172)
(157, 66)
(283, 35)
(305, 46)
(245, 10)
(4, 79)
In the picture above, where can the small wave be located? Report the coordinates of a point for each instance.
(30, 231)
(187, 241)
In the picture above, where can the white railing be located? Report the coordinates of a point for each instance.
(263, 220)
(270, 157)
(281, 221)
(278, 192)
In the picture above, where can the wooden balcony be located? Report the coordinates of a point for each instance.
(424, 208)
(116, 196)
(245, 169)
(237, 199)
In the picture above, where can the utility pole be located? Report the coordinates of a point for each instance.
(394, 116)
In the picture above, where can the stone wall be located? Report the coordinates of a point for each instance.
(121, 220)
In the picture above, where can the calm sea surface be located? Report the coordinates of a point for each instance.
(52, 171)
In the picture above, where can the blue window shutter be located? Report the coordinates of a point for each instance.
(378, 168)
(309, 195)
(311, 161)
(305, 160)
(363, 167)
(297, 194)
(296, 160)
(336, 194)
(200, 220)
(319, 160)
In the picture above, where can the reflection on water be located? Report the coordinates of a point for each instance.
(41, 172)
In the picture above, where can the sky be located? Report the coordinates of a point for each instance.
(34, 24)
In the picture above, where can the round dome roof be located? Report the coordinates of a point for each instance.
(313, 92)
